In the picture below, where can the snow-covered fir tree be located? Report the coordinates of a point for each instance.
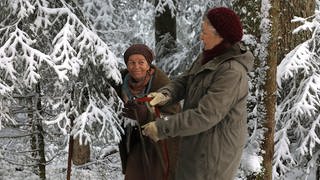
(297, 134)
(49, 52)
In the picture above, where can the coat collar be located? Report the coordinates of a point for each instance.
(160, 78)
(212, 65)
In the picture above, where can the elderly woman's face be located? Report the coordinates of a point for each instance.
(137, 66)
(209, 36)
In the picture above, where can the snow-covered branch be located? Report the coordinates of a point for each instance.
(160, 7)
(299, 60)
(307, 25)
(282, 156)
(11, 52)
(98, 115)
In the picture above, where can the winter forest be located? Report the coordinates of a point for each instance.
(59, 60)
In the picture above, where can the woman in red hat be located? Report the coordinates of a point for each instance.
(213, 123)
(141, 158)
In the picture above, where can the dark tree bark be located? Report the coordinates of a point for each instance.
(32, 123)
(270, 88)
(165, 32)
(41, 144)
(318, 170)
(288, 9)
(37, 132)
(70, 151)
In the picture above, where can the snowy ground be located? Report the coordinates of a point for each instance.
(16, 164)
(104, 165)
(108, 168)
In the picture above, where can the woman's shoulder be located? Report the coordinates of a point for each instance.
(159, 72)
(160, 78)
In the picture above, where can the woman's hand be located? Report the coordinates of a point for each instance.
(136, 111)
(151, 131)
(158, 98)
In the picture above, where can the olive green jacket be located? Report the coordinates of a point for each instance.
(213, 123)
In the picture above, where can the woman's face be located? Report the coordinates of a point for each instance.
(137, 66)
(209, 36)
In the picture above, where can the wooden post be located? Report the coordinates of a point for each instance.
(70, 151)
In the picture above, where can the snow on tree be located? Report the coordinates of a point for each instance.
(188, 45)
(121, 23)
(298, 117)
(52, 44)
(160, 6)
(256, 24)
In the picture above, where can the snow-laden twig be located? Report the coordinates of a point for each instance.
(298, 59)
(160, 7)
(98, 113)
(306, 25)
(282, 157)
(33, 57)
(311, 139)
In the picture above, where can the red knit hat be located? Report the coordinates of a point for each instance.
(139, 49)
(227, 23)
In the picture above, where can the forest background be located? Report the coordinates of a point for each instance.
(59, 58)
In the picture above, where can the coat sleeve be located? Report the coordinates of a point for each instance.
(176, 89)
(212, 108)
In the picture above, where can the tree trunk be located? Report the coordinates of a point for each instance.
(32, 123)
(41, 144)
(270, 88)
(33, 140)
(270, 102)
(318, 171)
(317, 168)
(37, 138)
(70, 151)
(165, 32)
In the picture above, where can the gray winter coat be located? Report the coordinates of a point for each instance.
(213, 124)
